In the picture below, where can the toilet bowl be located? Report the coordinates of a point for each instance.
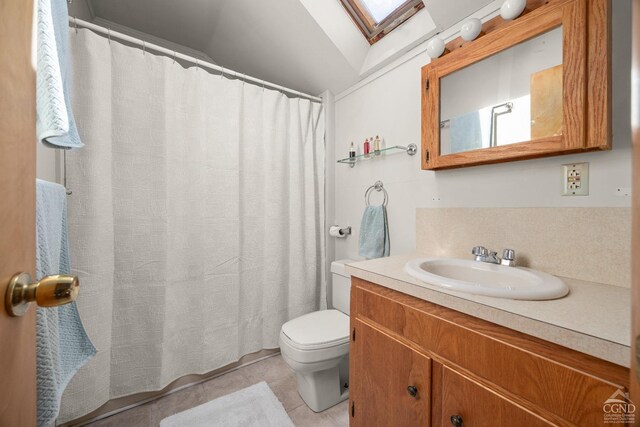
(316, 346)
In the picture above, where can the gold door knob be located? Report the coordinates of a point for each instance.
(50, 291)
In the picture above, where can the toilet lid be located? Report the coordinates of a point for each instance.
(318, 329)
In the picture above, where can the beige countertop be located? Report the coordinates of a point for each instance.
(593, 318)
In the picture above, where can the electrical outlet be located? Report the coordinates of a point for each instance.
(575, 179)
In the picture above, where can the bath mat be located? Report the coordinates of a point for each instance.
(252, 406)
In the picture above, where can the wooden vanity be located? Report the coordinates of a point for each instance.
(415, 363)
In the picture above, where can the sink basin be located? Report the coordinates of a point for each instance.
(481, 278)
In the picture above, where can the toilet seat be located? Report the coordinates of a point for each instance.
(316, 337)
(319, 329)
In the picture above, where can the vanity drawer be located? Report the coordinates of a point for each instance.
(550, 379)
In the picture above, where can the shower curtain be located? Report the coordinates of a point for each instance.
(196, 219)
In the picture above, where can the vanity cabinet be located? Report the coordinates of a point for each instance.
(394, 380)
(464, 399)
(416, 363)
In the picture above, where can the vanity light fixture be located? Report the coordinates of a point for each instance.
(435, 47)
(511, 9)
(471, 29)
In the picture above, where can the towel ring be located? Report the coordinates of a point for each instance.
(378, 186)
(64, 172)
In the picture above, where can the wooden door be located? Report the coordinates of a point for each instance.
(635, 122)
(382, 370)
(476, 405)
(17, 209)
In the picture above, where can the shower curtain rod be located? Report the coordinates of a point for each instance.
(74, 22)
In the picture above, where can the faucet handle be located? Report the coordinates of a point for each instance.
(479, 251)
(508, 257)
(509, 254)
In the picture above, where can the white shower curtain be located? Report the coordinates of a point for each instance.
(196, 220)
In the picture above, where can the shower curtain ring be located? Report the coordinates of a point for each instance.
(222, 73)
(263, 85)
(144, 48)
(109, 34)
(174, 56)
(196, 64)
(75, 24)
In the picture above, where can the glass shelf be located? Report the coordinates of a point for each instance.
(410, 149)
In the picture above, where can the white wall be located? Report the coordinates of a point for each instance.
(388, 104)
(81, 9)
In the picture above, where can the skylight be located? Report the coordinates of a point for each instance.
(380, 9)
(376, 18)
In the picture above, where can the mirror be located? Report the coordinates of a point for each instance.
(536, 86)
(511, 97)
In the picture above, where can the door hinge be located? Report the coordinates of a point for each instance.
(426, 84)
(638, 358)
(353, 335)
(353, 409)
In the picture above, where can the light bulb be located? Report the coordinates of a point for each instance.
(471, 29)
(511, 9)
(435, 47)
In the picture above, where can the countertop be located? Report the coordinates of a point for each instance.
(593, 318)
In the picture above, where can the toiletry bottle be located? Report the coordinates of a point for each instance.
(376, 146)
(367, 148)
(352, 152)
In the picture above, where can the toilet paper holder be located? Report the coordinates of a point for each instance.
(337, 231)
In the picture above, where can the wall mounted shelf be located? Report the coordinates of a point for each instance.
(410, 149)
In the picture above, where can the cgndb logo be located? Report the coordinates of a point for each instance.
(619, 408)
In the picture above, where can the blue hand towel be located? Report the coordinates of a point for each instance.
(55, 124)
(62, 345)
(466, 132)
(374, 233)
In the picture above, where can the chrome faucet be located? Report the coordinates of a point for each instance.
(483, 254)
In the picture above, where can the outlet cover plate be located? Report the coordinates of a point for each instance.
(575, 179)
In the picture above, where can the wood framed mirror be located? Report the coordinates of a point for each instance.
(536, 86)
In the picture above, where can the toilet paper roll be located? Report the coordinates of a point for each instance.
(336, 231)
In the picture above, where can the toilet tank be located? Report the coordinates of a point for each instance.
(341, 285)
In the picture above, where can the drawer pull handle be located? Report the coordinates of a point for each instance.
(456, 420)
(413, 391)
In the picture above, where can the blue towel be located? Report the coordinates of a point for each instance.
(55, 124)
(466, 132)
(62, 345)
(374, 233)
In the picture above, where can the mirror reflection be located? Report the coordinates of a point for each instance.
(513, 96)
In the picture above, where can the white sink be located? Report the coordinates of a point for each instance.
(483, 278)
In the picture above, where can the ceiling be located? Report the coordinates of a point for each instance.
(301, 44)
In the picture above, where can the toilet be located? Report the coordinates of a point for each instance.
(316, 346)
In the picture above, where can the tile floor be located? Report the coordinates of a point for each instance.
(273, 370)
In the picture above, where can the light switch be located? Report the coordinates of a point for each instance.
(575, 179)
